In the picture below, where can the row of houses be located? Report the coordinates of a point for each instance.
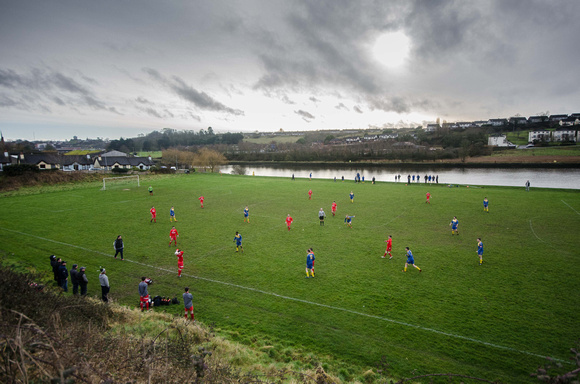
(106, 161)
(562, 120)
(561, 134)
(565, 133)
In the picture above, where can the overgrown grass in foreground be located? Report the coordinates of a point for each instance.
(493, 321)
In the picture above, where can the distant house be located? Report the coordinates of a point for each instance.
(499, 140)
(116, 159)
(5, 160)
(450, 126)
(464, 124)
(42, 161)
(557, 118)
(538, 135)
(351, 140)
(570, 120)
(432, 127)
(565, 134)
(518, 120)
(497, 122)
(537, 119)
(370, 138)
(479, 123)
(386, 136)
(77, 163)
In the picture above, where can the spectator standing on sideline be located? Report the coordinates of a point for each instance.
(188, 303)
(528, 186)
(74, 279)
(425, 179)
(413, 177)
(105, 287)
(83, 280)
(373, 179)
(408, 179)
(437, 179)
(63, 276)
(143, 294)
(418, 178)
(119, 246)
(54, 265)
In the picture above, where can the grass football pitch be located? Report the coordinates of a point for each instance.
(494, 321)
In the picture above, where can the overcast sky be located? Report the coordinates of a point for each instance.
(120, 68)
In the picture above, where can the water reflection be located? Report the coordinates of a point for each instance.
(543, 178)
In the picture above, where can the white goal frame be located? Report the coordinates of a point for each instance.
(117, 178)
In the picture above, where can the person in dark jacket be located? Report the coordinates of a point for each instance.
(83, 281)
(55, 270)
(63, 276)
(118, 244)
(74, 279)
(54, 267)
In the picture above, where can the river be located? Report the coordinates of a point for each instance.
(538, 177)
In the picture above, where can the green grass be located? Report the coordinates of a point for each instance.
(269, 139)
(456, 316)
(153, 154)
(572, 150)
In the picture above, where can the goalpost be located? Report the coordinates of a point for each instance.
(119, 180)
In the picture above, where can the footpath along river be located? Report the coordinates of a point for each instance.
(515, 177)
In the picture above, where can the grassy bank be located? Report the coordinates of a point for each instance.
(495, 321)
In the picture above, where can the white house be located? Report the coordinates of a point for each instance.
(432, 127)
(570, 120)
(565, 134)
(499, 140)
(538, 135)
(497, 122)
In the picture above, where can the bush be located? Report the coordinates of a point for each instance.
(20, 169)
(120, 170)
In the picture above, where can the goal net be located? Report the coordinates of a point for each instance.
(120, 181)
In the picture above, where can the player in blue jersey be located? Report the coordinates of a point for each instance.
(348, 220)
(485, 205)
(480, 250)
(246, 215)
(172, 215)
(410, 260)
(351, 196)
(454, 225)
(310, 262)
(238, 240)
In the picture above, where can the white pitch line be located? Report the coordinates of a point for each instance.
(578, 213)
(534, 232)
(497, 346)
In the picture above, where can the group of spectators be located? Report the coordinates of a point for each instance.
(78, 278)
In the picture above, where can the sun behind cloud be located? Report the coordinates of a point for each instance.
(392, 49)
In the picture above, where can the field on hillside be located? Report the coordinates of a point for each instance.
(494, 321)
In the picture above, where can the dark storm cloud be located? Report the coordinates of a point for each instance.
(304, 114)
(41, 86)
(200, 99)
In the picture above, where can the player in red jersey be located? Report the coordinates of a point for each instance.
(201, 200)
(428, 195)
(333, 208)
(289, 221)
(153, 215)
(173, 235)
(389, 242)
(179, 255)
(310, 194)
